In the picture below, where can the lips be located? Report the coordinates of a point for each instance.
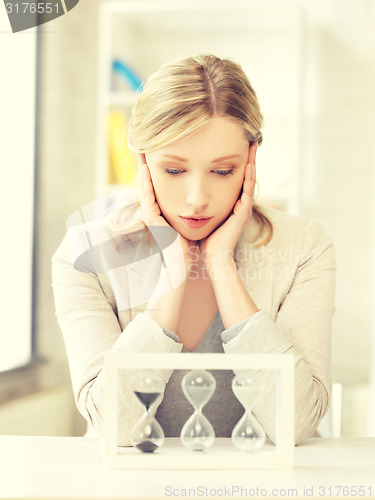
(196, 222)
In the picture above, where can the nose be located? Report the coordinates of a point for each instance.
(197, 195)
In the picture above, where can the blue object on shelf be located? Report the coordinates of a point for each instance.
(127, 73)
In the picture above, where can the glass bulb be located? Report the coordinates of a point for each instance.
(197, 433)
(248, 435)
(147, 434)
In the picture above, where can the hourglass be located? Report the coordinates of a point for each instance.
(147, 434)
(248, 434)
(197, 434)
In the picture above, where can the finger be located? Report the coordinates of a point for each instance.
(149, 187)
(252, 175)
(141, 159)
(248, 189)
(246, 201)
(248, 180)
(248, 172)
(252, 152)
(242, 210)
(251, 159)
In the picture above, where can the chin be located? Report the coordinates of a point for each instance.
(190, 233)
(196, 234)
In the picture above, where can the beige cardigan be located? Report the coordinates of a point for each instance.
(291, 280)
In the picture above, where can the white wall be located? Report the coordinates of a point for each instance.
(338, 181)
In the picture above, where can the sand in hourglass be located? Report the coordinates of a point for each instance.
(197, 434)
(248, 435)
(199, 394)
(145, 444)
(247, 395)
(147, 398)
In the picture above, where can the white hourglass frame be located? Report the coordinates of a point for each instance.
(222, 455)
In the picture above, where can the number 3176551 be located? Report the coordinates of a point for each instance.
(32, 7)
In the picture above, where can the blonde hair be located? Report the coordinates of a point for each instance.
(184, 95)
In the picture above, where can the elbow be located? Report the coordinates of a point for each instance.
(91, 408)
(308, 417)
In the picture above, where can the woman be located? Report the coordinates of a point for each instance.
(199, 267)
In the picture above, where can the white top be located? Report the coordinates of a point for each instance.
(100, 307)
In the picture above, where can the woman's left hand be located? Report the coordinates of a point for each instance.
(220, 244)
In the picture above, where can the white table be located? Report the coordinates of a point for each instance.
(61, 468)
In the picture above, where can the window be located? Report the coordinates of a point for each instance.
(18, 68)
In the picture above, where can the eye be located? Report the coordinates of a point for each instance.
(173, 171)
(224, 173)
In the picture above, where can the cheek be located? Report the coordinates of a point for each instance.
(165, 194)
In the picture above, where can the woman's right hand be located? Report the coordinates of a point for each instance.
(150, 210)
(152, 216)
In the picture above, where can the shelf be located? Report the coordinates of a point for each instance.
(121, 98)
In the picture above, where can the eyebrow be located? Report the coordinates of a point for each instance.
(216, 160)
(178, 158)
(228, 157)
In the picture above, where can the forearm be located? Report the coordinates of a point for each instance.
(165, 308)
(166, 301)
(141, 335)
(233, 300)
(261, 335)
(312, 398)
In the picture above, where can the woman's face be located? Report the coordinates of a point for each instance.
(198, 180)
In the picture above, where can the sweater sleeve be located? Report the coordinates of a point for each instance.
(303, 329)
(90, 327)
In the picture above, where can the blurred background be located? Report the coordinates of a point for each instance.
(67, 89)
